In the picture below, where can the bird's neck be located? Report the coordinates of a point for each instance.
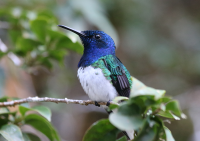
(90, 56)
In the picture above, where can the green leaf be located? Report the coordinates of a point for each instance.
(47, 14)
(3, 99)
(122, 139)
(130, 108)
(64, 42)
(4, 12)
(57, 35)
(138, 88)
(58, 55)
(165, 114)
(11, 132)
(23, 110)
(2, 54)
(14, 35)
(174, 116)
(119, 98)
(148, 132)
(46, 62)
(42, 125)
(39, 27)
(30, 137)
(4, 111)
(4, 116)
(101, 130)
(113, 106)
(26, 137)
(174, 107)
(126, 122)
(77, 47)
(143, 102)
(33, 137)
(147, 136)
(4, 120)
(165, 99)
(26, 45)
(42, 110)
(168, 133)
(116, 100)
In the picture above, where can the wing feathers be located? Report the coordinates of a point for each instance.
(118, 76)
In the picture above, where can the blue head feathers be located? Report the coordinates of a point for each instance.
(96, 44)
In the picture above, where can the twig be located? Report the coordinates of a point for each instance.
(48, 99)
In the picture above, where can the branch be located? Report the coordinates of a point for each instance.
(48, 99)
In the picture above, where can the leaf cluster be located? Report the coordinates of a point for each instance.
(35, 37)
(144, 113)
(38, 117)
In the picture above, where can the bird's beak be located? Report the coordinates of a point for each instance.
(73, 30)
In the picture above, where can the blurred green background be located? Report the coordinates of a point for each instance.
(158, 42)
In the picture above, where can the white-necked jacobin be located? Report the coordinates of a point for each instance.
(101, 74)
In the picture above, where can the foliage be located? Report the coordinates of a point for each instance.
(36, 38)
(144, 112)
(37, 42)
(97, 133)
(38, 117)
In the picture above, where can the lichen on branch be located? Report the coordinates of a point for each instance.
(48, 99)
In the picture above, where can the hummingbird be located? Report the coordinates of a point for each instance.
(102, 75)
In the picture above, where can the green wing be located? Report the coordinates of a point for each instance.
(116, 72)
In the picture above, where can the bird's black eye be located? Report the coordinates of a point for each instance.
(97, 36)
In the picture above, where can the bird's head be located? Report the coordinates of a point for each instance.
(96, 44)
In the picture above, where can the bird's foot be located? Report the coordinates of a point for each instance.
(108, 103)
(97, 104)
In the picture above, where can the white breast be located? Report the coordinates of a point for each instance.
(95, 85)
